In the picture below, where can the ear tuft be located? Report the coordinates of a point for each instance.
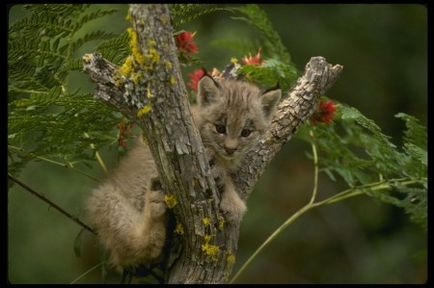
(208, 90)
(270, 99)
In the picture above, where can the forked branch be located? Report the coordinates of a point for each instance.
(153, 94)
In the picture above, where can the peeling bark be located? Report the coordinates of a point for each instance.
(176, 144)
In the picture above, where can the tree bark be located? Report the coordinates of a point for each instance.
(209, 243)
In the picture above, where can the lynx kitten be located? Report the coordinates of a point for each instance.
(128, 211)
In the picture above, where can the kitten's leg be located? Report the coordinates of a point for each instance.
(154, 218)
(131, 236)
(231, 202)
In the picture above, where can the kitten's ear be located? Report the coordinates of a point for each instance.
(270, 99)
(208, 90)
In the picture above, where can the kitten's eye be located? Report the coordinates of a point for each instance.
(246, 132)
(220, 128)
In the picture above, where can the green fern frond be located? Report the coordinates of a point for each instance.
(415, 133)
(41, 56)
(115, 49)
(270, 73)
(56, 9)
(256, 17)
(356, 149)
(94, 35)
(92, 16)
(242, 46)
(184, 13)
(28, 25)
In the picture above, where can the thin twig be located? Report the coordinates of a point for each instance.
(51, 203)
(65, 165)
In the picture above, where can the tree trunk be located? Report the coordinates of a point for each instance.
(153, 80)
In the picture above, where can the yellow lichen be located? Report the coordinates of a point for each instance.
(145, 109)
(234, 60)
(134, 46)
(172, 80)
(170, 200)
(230, 258)
(128, 17)
(179, 229)
(164, 20)
(221, 222)
(153, 55)
(151, 42)
(118, 81)
(168, 65)
(210, 250)
(87, 57)
(206, 221)
(207, 238)
(136, 77)
(127, 67)
(149, 93)
(149, 56)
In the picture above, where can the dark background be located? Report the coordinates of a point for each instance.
(383, 49)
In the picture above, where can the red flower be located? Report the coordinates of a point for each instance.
(253, 60)
(325, 113)
(184, 42)
(195, 76)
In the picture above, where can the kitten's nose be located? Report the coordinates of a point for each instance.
(229, 150)
(230, 145)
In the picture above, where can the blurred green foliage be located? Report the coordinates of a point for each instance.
(384, 52)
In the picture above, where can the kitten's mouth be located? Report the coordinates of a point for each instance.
(227, 156)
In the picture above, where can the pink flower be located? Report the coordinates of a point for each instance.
(253, 60)
(195, 76)
(184, 42)
(325, 113)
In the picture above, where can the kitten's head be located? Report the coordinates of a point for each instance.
(233, 115)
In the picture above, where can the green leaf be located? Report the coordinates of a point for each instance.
(415, 132)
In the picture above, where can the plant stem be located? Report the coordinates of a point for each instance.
(315, 181)
(291, 219)
(333, 199)
(64, 165)
(87, 272)
(97, 155)
(100, 161)
(27, 90)
(51, 203)
(282, 227)
(359, 190)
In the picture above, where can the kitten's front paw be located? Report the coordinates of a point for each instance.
(233, 208)
(157, 206)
